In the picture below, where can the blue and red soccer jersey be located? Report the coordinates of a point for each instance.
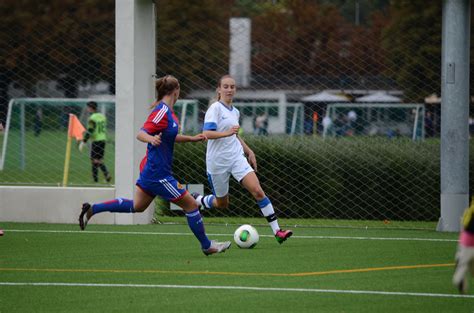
(156, 173)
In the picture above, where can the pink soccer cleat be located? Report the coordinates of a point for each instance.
(282, 235)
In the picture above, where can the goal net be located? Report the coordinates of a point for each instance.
(270, 118)
(375, 119)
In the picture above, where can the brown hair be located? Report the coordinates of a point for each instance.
(165, 85)
(219, 82)
(92, 105)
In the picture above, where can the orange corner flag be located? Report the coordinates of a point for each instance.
(75, 128)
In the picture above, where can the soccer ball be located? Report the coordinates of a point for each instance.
(246, 236)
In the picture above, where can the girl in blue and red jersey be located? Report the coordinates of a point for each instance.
(160, 132)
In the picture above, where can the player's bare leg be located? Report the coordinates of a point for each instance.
(252, 184)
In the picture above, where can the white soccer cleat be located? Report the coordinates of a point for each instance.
(464, 266)
(217, 247)
(198, 199)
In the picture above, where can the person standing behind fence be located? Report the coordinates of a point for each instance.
(225, 156)
(97, 132)
(160, 132)
(261, 124)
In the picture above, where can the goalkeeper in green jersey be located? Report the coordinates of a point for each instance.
(465, 252)
(96, 132)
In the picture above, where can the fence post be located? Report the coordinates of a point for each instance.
(454, 113)
(135, 67)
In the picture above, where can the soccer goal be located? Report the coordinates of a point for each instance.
(375, 119)
(273, 114)
(34, 141)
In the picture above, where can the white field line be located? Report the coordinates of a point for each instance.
(308, 290)
(6, 231)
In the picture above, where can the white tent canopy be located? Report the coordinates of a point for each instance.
(433, 99)
(324, 96)
(379, 97)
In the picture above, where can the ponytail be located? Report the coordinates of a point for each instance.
(165, 85)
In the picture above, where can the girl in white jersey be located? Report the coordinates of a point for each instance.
(228, 154)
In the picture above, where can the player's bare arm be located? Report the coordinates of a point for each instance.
(196, 138)
(154, 140)
(212, 134)
(249, 153)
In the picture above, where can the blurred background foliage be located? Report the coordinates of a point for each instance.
(358, 43)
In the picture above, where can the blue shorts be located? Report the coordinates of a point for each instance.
(167, 188)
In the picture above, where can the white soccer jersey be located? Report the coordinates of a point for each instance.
(222, 152)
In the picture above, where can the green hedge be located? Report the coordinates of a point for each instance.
(346, 178)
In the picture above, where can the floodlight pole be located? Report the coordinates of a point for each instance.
(454, 113)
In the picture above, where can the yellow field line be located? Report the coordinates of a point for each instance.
(360, 270)
(374, 269)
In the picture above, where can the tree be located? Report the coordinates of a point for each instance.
(412, 40)
(58, 40)
(193, 41)
(311, 44)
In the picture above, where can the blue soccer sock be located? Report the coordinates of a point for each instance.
(197, 226)
(118, 205)
(266, 207)
(208, 201)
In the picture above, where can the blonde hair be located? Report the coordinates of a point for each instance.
(219, 83)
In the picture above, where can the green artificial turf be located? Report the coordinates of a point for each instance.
(160, 268)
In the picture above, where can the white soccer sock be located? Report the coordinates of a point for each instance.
(208, 201)
(269, 213)
(199, 200)
(205, 201)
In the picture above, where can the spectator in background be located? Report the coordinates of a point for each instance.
(429, 126)
(351, 122)
(308, 126)
(38, 122)
(261, 124)
(393, 133)
(471, 126)
(327, 125)
(97, 132)
(340, 125)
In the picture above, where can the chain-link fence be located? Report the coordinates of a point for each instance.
(339, 99)
(55, 57)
